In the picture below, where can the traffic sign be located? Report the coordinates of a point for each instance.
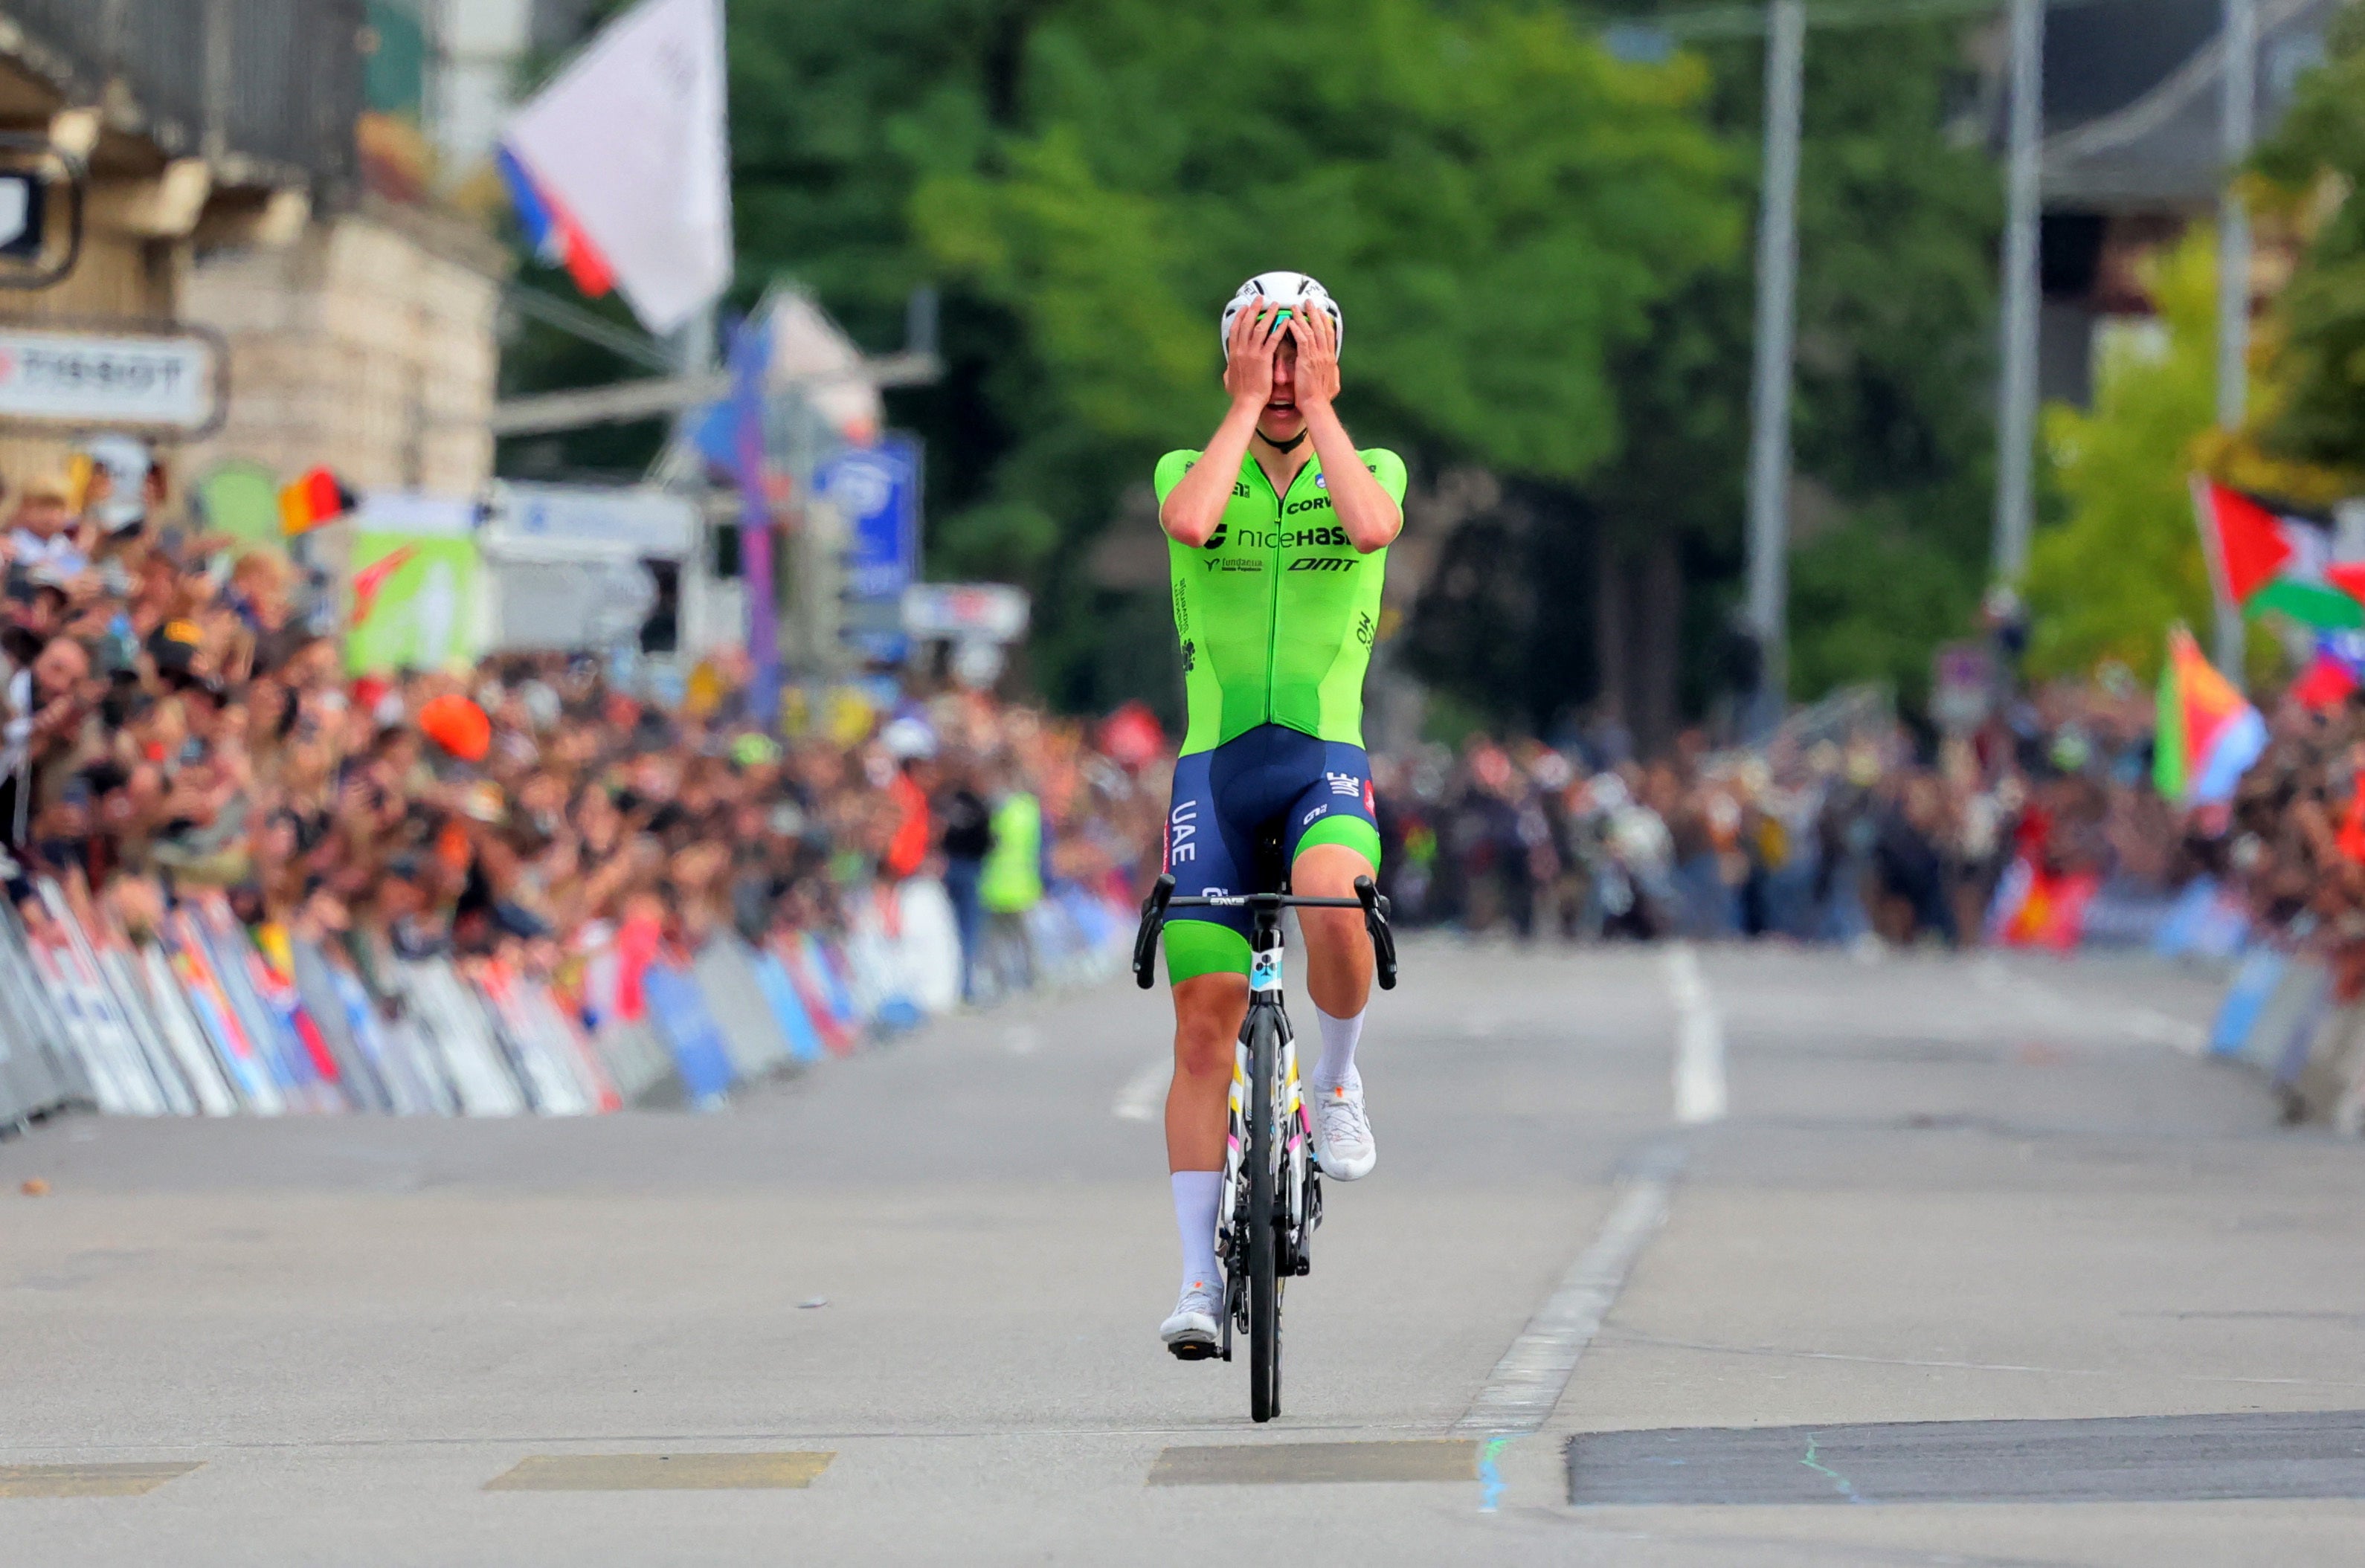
(877, 490)
(966, 612)
(642, 518)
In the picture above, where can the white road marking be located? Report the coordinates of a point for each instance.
(1699, 1042)
(1528, 1381)
(1144, 1094)
(2146, 1025)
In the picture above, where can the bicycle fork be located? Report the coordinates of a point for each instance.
(1297, 1181)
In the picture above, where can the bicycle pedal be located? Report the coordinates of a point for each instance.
(1193, 1351)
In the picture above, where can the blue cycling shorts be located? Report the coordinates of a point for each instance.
(1271, 780)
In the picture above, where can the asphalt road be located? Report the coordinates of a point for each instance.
(1925, 1259)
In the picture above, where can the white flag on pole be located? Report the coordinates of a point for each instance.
(632, 139)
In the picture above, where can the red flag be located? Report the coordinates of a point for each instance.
(2324, 685)
(2249, 540)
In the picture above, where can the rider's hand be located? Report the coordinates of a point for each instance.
(1318, 356)
(1248, 374)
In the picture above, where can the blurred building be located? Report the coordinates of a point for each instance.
(2132, 154)
(467, 61)
(256, 167)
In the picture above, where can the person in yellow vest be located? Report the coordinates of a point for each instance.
(1012, 882)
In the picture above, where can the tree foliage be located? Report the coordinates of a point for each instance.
(1495, 200)
(2314, 164)
(2125, 562)
(1898, 219)
(1541, 251)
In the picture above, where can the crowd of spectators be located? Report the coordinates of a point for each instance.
(1846, 827)
(2295, 837)
(179, 716)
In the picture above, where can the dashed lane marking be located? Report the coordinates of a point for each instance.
(87, 1479)
(661, 1471)
(1699, 1042)
(1307, 1464)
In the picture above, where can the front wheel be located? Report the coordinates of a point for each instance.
(1265, 1218)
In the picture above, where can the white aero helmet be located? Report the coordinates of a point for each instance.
(1291, 291)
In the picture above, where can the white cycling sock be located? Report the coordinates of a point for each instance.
(1337, 1064)
(1196, 1194)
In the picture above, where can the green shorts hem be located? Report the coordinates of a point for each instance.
(1353, 832)
(1195, 948)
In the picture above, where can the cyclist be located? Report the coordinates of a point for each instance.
(1277, 536)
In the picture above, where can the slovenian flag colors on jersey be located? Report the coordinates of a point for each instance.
(2208, 734)
(2271, 558)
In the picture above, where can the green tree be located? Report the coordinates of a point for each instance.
(2106, 582)
(1494, 198)
(2312, 164)
(1898, 226)
(1496, 201)
(1891, 426)
(840, 108)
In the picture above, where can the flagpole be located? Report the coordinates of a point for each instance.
(750, 365)
(2238, 122)
(2016, 418)
(2229, 640)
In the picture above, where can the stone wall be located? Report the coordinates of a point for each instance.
(368, 345)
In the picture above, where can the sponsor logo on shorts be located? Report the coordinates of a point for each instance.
(1181, 831)
(1344, 783)
(1317, 811)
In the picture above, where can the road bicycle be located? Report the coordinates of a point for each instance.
(1271, 1178)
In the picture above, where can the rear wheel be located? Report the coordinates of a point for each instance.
(1264, 1219)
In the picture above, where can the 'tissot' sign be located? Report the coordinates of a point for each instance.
(164, 382)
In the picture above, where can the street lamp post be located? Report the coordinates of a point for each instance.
(2238, 124)
(2016, 420)
(1778, 309)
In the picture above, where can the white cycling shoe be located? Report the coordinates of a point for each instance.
(1342, 1134)
(1191, 1332)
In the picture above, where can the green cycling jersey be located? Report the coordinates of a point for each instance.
(1278, 611)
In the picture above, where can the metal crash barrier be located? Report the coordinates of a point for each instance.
(206, 1017)
(2282, 1017)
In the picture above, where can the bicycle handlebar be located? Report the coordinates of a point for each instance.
(1262, 900)
(1161, 899)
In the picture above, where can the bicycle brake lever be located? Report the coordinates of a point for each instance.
(1384, 941)
(1144, 941)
